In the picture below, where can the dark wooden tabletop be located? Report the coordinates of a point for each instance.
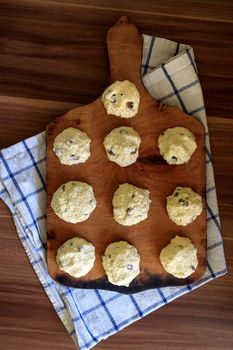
(53, 57)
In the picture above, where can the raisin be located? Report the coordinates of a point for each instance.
(128, 211)
(174, 159)
(113, 98)
(69, 142)
(111, 152)
(74, 157)
(130, 105)
(192, 267)
(134, 151)
(123, 132)
(129, 267)
(176, 194)
(63, 188)
(184, 202)
(133, 195)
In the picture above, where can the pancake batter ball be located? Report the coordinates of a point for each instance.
(74, 201)
(121, 263)
(176, 145)
(122, 145)
(130, 204)
(72, 146)
(184, 205)
(121, 99)
(179, 257)
(76, 257)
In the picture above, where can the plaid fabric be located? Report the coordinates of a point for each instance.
(170, 75)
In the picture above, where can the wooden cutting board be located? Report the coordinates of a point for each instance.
(150, 171)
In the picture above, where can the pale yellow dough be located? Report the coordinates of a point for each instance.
(179, 257)
(121, 263)
(121, 99)
(130, 204)
(122, 145)
(184, 205)
(176, 145)
(74, 201)
(72, 146)
(76, 257)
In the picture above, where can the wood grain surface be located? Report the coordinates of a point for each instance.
(53, 58)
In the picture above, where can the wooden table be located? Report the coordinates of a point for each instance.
(52, 57)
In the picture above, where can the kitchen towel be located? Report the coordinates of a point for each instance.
(169, 73)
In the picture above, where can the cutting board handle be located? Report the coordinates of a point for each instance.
(125, 51)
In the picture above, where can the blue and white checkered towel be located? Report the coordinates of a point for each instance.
(170, 75)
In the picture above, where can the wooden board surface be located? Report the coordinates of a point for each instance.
(150, 171)
(39, 39)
